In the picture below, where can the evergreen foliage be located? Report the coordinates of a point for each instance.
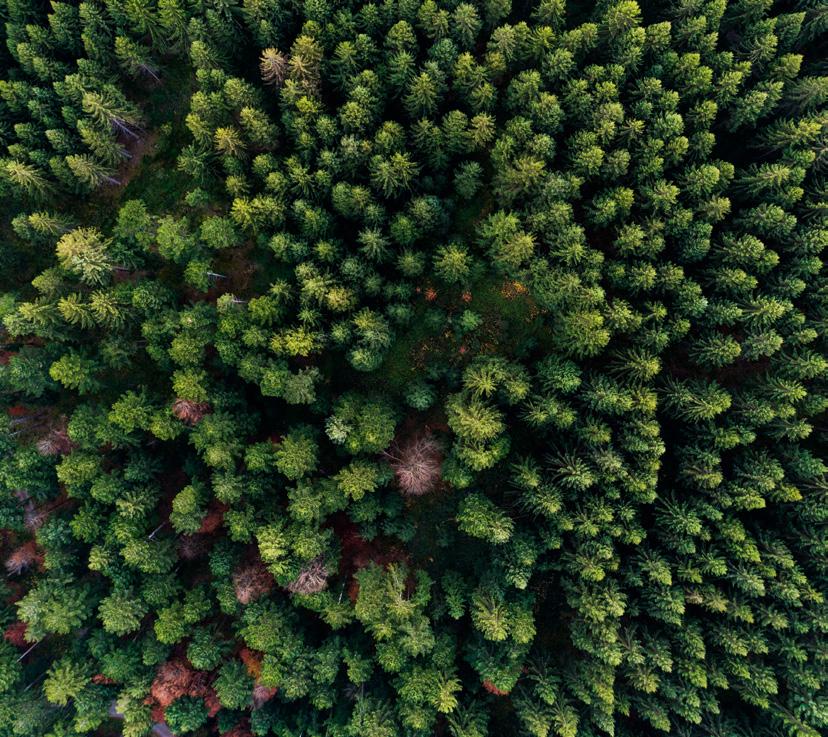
(414, 367)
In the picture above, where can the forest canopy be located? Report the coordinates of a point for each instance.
(413, 368)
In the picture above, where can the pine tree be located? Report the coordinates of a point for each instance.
(89, 172)
(273, 67)
(84, 251)
(26, 178)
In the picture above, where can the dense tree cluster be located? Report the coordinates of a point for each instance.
(414, 367)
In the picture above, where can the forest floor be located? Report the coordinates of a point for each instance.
(152, 174)
(143, 147)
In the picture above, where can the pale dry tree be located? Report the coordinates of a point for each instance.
(190, 412)
(262, 694)
(172, 681)
(55, 442)
(273, 65)
(22, 558)
(33, 517)
(312, 579)
(417, 464)
(251, 582)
